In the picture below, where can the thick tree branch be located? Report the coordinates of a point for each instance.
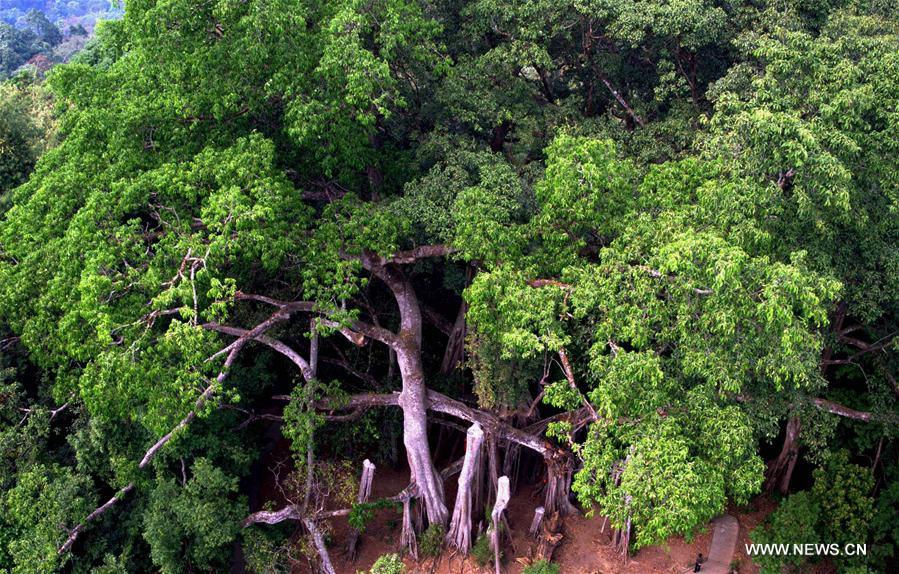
(275, 344)
(443, 404)
(233, 349)
(422, 252)
(73, 534)
(841, 410)
(289, 512)
(569, 374)
(359, 330)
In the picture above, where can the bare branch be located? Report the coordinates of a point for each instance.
(73, 534)
(843, 411)
(422, 252)
(444, 404)
(620, 99)
(569, 374)
(275, 344)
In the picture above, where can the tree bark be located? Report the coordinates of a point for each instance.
(498, 137)
(538, 520)
(549, 536)
(413, 401)
(408, 541)
(414, 395)
(319, 542)
(780, 471)
(459, 534)
(502, 500)
(368, 473)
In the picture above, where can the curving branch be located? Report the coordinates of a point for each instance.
(73, 533)
(274, 344)
(422, 252)
(292, 512)
(841, 410)
(443, 404)
(232, 351)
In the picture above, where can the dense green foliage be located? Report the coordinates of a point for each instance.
(541, 567)
(644, 236)
(837, 510)
(26, 130)
(388, 564)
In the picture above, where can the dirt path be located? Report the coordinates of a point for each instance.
(725, 530)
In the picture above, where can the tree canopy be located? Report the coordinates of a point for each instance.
(639, 244)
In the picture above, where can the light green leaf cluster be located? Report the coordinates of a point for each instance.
(37, 512)
(837, 510)
(203, 512)
(678, 311)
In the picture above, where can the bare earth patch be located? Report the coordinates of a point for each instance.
(586, 548)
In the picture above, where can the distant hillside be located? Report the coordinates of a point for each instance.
(42, 33)
(62, 13)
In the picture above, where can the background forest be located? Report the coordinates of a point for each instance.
(639, 257)
(37, 35)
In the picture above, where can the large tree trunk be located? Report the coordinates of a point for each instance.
(414, 396)
(496, 518)
(780, 471)
(413, 401)
(558, 485)
(459, 534)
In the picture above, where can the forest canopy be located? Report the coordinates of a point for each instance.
(638, 259)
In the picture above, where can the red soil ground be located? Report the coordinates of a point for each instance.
(585, 549)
